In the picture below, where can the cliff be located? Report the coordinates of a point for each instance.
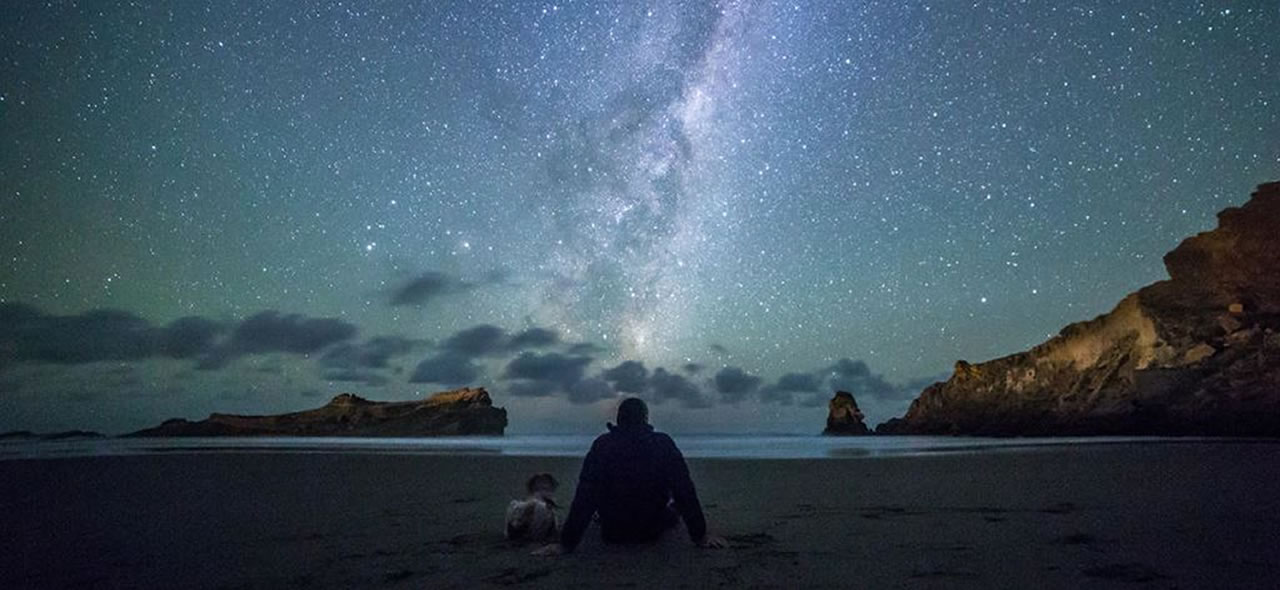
(448, 413)
(843, 416)
(1196, 354)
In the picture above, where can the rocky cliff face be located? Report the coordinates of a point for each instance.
(448, 413)
(843, 416)
(1196, 354)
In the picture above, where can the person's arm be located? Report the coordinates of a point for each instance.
(685, 495)
(585, 501)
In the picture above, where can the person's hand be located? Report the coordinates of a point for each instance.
(551, 550)
(713, 542)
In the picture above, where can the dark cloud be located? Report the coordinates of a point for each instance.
(481, 340)
(539, 375)
(374, 353)
(97, 335)
(789, 384)
(533, 338)
(27, 334)
(772, 395)
(733, 384)
(553, 367)
(849, 368)
(815, 400)
(856, 378)
(428, 286)
(363, 362)
(447, 368)
(269, 331)
(585, 349)
(354, 375)
(591, 390)
(189, 337)
(532, 388)
(432, 285)
(799, 382)
(628, 377)
(664, 385)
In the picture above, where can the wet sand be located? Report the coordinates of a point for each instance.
(1168, 515)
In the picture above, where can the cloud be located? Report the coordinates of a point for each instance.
(664, 385)
(539, 375)
(374, 353)
(692, 368)
(850, 368)
(365, 376)
(553, 367)
(28, 334)
(447, 368)
(533, 338)
(432, 285)
(189, 337)
(802, 382)
(481, 340)
(789, 384)
(532, 388)
(427, 287)
(586, 348)
(269, 331)
(733, 384)
(856, 378)
(361, 362)
(628, 377)
(814, 400)
(591, 390)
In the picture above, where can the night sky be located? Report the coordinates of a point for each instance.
(730, 210)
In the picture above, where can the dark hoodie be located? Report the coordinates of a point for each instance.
(631, 477)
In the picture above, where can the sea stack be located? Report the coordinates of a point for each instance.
(1197, 354)
(843, 416)
(461, 412)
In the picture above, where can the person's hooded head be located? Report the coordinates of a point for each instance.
(633, 413)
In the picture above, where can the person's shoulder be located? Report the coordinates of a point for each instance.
(664, 439)
(602, 441)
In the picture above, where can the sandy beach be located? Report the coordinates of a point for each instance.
(1168, 515)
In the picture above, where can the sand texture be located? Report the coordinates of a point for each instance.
(1169, 515)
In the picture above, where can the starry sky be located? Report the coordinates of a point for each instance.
(730, 209)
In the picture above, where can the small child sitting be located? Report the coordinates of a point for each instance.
(534, 518)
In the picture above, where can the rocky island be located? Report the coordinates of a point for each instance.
(1197, 354)
(460, 412)
(843, 416)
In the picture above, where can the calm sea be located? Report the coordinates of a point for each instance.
(574, 445)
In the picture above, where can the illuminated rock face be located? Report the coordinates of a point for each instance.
(1196, 354)
(844, 417)
(460, 412)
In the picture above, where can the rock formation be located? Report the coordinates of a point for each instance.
(448, 413)
(1196, 354)
(844, 417)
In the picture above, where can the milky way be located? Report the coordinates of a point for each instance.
(730, 209)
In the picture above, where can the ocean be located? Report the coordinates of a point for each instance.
(567, 445)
